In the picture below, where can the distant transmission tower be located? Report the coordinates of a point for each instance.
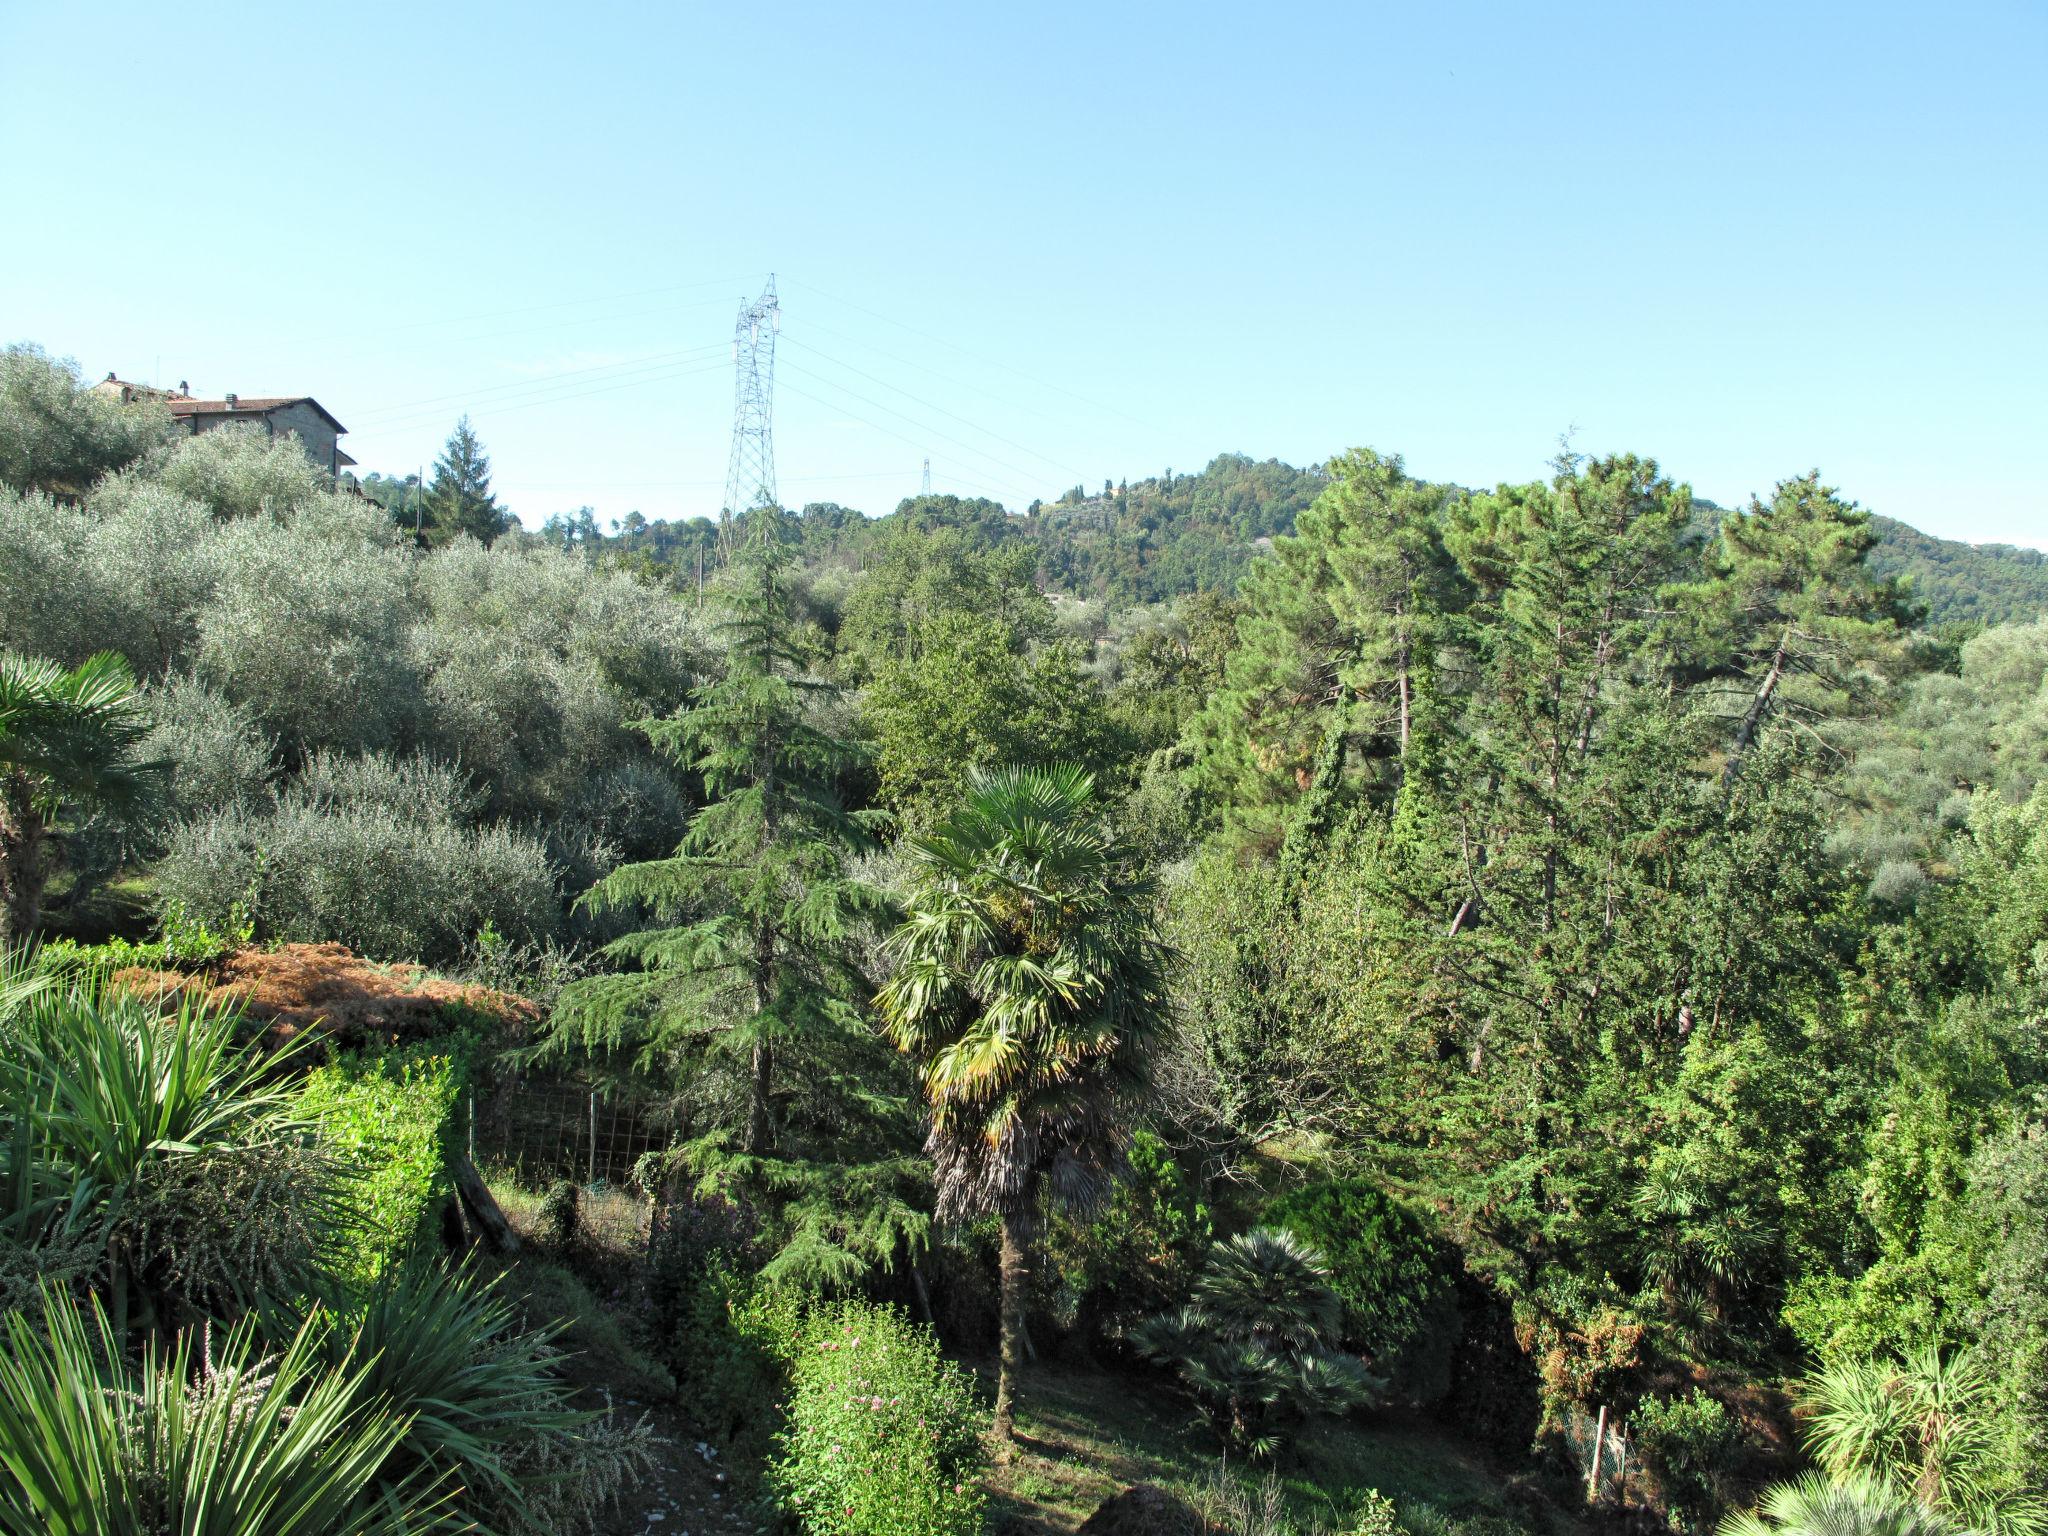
(926, 488)
(750, 479)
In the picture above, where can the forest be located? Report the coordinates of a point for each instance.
(1266, 1001)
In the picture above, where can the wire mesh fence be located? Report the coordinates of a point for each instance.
(541, 1129)
(1601, 1445)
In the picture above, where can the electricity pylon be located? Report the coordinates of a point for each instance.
(750, 478)
(926, 488)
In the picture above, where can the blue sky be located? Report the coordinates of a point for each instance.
(1066, 242)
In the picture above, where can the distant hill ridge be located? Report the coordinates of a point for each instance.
(1155, 538)
(1963, 583)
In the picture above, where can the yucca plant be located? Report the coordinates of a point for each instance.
(1259, 1336)
(168, 1137)
(193, 1438)
(489, 1420)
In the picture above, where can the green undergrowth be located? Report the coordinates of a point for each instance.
(602, 1341)
(1085, 1434)
(395, 1116)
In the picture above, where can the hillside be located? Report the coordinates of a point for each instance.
(1963, 583)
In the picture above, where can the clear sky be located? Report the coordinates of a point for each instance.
(1054, 243)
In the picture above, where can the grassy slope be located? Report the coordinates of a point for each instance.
(1084, 1434)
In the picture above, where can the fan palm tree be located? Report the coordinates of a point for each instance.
(1260, 1334)
(66, 739)
(1029, 984)
(1856, 1505)
(1927, 1428)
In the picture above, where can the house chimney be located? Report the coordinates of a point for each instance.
(231, 402)
(110, 375)
(184, 390)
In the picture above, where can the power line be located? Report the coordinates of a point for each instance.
(998, 492)
(980, 453)
(931, 406)
(622, 367)
(499, 409)
(986, 361)
(534, 330)
(527, 309)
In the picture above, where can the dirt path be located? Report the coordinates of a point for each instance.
(686, 1493)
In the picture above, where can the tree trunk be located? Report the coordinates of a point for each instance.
(475, 1197)
(1015, 1240)
(1758, 708)
(24, 865)
(758, 1129)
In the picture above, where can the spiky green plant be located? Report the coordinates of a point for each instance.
(1259, 1336)
(193, 1438)
(489, 1420)
(1926, 1427)
(1857, 1505)
(166, 1137)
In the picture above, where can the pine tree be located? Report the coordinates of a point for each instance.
(460, 500)
(1789, 608)
(746, 988)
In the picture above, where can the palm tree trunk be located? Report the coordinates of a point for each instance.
(23, 865)
(1016, 1238)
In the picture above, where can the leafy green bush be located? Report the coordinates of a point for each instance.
(389, 1115)
(883, 1433)
(1689, 1444)
(1139, 1253)
(1399, 1305)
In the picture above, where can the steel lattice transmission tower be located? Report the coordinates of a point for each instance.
(750, 479)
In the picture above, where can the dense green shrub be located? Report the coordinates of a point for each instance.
(335, 857)
(2009, 1185)
(219, 756)
(390, 1117)
(1399, 1307)
(1690, 1445)
(1138, 1254)
(240, 471)
(73, 583)
(58, 435)
(732, 1341)
(307, 627)
(883, 1434)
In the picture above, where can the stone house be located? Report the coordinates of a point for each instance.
(317, 430)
